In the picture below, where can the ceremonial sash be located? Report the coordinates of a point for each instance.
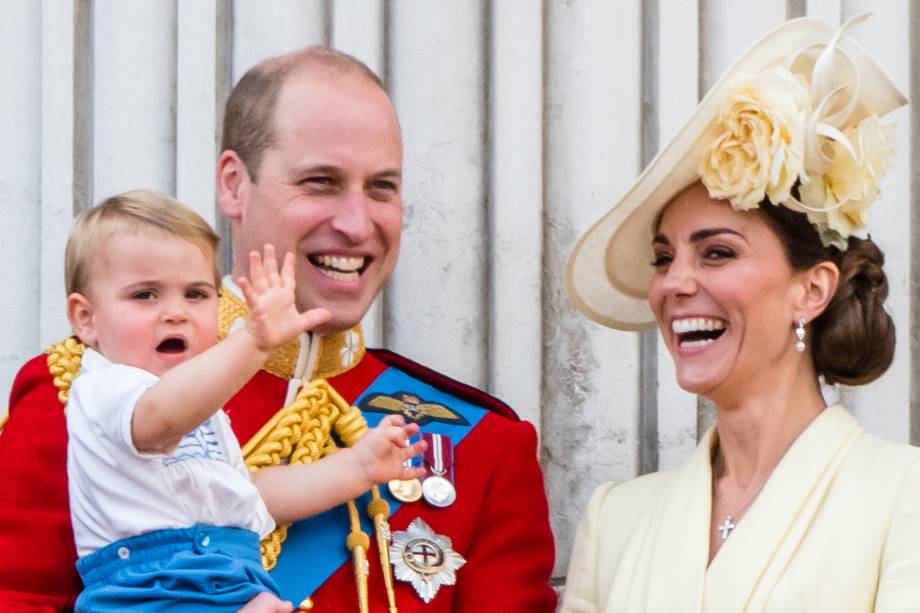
(315, 547)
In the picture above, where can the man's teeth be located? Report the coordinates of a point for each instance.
(340, 263)
(339, 276)
(338, 267)
(696, 324)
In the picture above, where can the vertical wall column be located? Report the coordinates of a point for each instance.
(590, 373)
(437, 302)
(20, 186)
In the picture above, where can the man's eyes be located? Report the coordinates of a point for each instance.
(320, 181)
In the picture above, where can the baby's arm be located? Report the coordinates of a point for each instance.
(295, 492)
(189, 393)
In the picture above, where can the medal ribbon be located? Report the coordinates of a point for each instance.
(440, 455)
(314, 549)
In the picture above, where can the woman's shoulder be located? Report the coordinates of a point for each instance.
(887, 465)
(626, 501)
(879, 456)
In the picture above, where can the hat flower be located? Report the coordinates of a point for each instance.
(760, 147)
(791, 128)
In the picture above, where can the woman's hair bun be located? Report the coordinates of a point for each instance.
(853, 339)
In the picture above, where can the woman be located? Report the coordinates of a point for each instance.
(762, 280)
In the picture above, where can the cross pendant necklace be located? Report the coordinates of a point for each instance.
(726, 527)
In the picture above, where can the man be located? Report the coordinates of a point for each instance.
(311, 162)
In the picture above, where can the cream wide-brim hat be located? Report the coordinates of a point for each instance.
(610, 268)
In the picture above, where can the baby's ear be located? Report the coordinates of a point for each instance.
(81, 316)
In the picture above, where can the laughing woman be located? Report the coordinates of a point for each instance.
(745, 241)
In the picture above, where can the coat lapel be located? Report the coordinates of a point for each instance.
(742, 574)
(664, 565)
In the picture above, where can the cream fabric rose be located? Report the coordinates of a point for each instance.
(759, 149)
(838, 201)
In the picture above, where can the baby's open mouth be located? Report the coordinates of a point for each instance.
(172, 345)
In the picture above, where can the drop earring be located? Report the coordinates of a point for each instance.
(800, 336)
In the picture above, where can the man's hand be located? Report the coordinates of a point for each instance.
(382, 453)
(273, 316)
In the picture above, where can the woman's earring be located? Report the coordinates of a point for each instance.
(800, 336)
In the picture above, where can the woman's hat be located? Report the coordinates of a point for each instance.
(794, 122)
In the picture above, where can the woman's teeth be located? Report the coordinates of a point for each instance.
(696, 324)
(697, 331)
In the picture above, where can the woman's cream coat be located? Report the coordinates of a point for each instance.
(836, 529)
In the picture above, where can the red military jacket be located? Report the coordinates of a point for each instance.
(498, 523)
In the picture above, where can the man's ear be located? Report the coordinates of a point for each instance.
(818, 285)
(232, 181)
(81, 315)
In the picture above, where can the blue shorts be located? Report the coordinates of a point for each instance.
(202, 568)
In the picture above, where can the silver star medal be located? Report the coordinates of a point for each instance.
(424, 559)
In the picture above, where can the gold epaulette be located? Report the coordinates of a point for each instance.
(64, 364)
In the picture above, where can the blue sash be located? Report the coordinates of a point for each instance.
(315, 547)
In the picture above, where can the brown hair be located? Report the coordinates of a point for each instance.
(131, 211)
(852, 342)
(249, 127)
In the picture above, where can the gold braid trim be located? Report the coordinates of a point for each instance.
(64, 364)
(300, 433)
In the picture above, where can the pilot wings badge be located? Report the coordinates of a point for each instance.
(413, 408)
(424, 559)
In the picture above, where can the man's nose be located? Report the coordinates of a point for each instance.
(352, 217)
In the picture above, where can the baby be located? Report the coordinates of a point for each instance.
(165, 514)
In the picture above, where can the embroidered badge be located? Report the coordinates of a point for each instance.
(349, 350)
(424, 559)
(203, 442)
(413, 408)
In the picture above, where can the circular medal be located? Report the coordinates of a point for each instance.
(409, 490)
(438, 491)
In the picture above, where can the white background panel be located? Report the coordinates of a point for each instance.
(590, 396)
(523, 123)
(441, 286)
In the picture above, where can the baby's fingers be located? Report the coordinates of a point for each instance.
(257, 273)
(314, 318)
(391, 420)
(413, 472)
(287, 270)
(409, 452)
(246, 288)
(271, 266)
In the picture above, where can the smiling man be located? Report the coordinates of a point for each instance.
(312, 163)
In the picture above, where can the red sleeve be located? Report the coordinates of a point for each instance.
(37, 552)
(510, 557)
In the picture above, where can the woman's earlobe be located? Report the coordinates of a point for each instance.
(821, 282)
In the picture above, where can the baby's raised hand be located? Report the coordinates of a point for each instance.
(382, 451)
(273, 316)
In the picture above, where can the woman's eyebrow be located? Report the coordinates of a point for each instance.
(709, 232)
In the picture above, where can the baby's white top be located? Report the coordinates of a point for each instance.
(117, 492)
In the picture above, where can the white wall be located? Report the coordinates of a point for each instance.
(523, 121)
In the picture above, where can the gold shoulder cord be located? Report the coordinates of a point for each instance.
(64, 364)
(296, 434)
(302, 432)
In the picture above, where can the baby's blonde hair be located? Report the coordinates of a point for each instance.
(131, 211)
